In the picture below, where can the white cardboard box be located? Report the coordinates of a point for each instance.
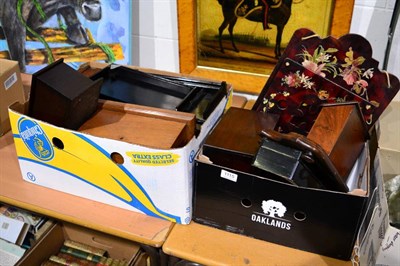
(376, 222)
(151, 181)
(389, 250)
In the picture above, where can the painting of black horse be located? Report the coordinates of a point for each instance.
(279, 14)
(251, 35)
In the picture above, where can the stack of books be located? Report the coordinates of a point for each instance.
(74, 253)
(18, 230)
(34, 221)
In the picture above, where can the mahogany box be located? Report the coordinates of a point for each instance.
(235, 140)
(340, 130)
(62, 96)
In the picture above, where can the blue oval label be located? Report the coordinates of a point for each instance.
(35, 139)
(192, 156)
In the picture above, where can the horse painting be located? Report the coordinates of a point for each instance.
(279, 15)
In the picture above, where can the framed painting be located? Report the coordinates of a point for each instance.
(240, 41)
(38, 32)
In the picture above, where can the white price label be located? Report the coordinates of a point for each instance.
(10, 81)
(228, 175)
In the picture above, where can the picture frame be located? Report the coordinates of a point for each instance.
(68, 31)
(243, 82)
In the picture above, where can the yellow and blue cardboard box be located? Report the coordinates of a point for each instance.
(151, 181)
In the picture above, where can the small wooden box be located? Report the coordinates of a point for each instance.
(341, 131)
(235, 140)
(239, 130)
(62, 96)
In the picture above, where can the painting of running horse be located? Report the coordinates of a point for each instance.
(250, 35)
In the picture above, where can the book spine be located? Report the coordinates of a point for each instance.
(84, 247)
(63, 261)
(68, 258)
(50, 263)
(80, 254)
(105, 262)
(112, 262)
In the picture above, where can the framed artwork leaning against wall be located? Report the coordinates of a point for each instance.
(240, 41)
(38, 32)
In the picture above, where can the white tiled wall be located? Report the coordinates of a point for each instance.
(371, 19)
(155, 32)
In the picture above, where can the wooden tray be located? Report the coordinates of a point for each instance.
(150, 127)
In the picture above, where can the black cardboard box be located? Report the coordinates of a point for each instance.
(51, 242)
(314, 220)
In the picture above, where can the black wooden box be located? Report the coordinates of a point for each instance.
(62, 96)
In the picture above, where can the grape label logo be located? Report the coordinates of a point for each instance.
(35, 139)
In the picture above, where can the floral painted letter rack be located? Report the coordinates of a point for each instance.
(313, 72)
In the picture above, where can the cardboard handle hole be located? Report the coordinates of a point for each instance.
(117, 158)
(246, 203)
(58, 143)
(300, 216)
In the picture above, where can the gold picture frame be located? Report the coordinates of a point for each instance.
(245, 82)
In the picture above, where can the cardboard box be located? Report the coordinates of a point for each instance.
(11, 91)
(387, 254)
(314, 220)
(376, 221)
(51, 243)
(156, 182)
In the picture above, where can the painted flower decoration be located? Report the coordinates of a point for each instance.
(320, 61)
(296, 80)
(353, 74)
(314, 67)
(323, 95)
(292, 80)
(269, 102)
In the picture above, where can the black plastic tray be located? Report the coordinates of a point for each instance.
(162, 91)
